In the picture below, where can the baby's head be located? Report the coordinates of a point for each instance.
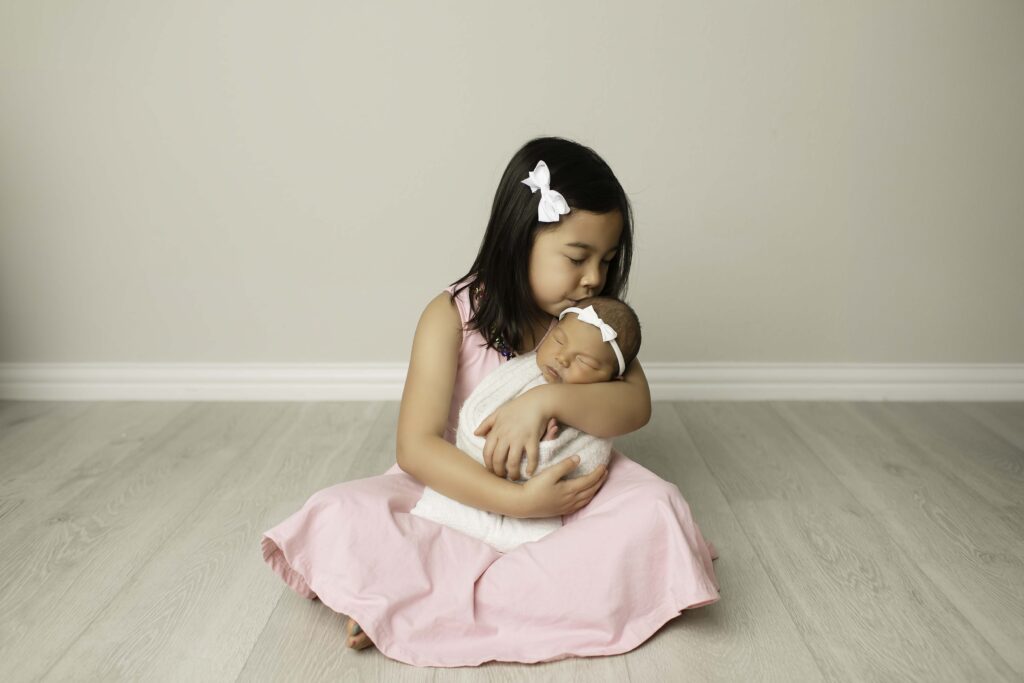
(574, 352)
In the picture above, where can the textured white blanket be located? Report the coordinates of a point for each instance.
(518, 375)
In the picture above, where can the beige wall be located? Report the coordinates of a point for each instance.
(292, 182)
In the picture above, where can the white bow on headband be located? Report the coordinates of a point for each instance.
(552, 203)
(589, 315)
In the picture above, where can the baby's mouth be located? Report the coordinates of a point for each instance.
(551, 373)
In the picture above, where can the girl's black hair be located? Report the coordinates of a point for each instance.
(502, 263)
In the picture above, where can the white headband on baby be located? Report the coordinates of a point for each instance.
(552, 203)
(589, 315)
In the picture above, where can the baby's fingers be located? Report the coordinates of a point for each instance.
(552, 430)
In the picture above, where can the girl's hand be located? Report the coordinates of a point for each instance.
(547, 495)
(513, 428)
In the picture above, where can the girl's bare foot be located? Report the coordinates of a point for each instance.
(357, 638)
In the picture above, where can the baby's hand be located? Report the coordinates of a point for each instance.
(552, 431)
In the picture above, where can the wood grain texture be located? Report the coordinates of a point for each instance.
(748, 634)
(865, 608)
(962, 541)
(857, 541)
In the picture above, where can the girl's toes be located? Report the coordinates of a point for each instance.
(359, 642)
(357, 639)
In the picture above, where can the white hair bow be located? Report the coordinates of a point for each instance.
(589, 315)
(552, 203)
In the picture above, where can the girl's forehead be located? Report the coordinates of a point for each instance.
(600, 231)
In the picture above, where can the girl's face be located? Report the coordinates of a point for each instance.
(570, 262)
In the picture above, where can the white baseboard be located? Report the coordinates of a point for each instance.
(383, 382)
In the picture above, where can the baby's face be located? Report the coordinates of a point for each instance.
(573, 353)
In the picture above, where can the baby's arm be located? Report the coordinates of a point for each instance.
(602, 409)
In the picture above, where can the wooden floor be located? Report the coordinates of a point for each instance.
(858, 541)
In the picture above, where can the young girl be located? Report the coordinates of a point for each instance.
(629, 556)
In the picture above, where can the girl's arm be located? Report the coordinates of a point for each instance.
(603, 409)
(422, 449)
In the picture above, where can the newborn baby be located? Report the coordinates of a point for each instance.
(593, 342)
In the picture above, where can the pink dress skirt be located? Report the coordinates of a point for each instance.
(427, 595)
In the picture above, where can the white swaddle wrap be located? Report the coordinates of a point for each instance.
(518, 375)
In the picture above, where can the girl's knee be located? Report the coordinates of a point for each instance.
(666, 495)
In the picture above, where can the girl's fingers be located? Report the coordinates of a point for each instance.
(489, 452)
(500, 458)
(532, 456)
(586, 483)
(496, 455)
(484, 426)
(587, 480)
(515, 458)
(587, 494)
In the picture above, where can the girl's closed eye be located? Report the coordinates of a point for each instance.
(579, 262)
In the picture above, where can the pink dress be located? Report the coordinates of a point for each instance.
(427, 595)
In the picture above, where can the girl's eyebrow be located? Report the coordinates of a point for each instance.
(584, 245)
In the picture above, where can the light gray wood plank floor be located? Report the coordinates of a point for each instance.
(858, 541)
